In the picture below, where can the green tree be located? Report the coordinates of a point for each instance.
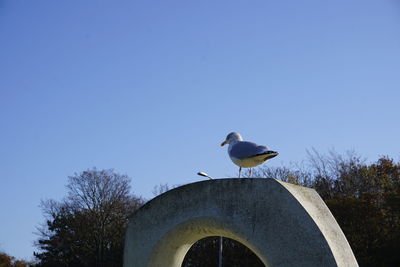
(87, 228)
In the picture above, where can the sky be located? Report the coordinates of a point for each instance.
(151, 88)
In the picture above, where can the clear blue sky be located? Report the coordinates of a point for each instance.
(151, 88)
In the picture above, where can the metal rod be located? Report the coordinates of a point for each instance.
(220, 252)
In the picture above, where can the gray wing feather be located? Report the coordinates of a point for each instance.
(244, 149)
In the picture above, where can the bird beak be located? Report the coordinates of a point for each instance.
(223, 143)
(272, 154)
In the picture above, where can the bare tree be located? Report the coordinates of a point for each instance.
(87, 228)
(162, 188)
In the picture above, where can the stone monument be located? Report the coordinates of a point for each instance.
(283, 224)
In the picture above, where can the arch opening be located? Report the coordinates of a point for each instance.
(206, 252)
(172, 248)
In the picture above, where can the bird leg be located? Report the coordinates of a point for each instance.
(250, 173)
(240, 169)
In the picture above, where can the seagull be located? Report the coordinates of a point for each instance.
(246, 154)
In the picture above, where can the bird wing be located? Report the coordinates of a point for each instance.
(244, 149)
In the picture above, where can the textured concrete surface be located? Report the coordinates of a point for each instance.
(283, 224)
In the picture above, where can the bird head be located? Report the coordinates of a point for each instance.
(232, 138)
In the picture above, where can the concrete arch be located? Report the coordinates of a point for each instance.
(283, 224)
